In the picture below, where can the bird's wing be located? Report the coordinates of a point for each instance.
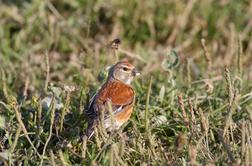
(117, 94)
(113, 95)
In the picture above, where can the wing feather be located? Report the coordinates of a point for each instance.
(118, 94)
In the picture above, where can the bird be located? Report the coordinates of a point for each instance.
(115, 98)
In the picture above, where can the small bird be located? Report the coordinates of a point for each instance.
(116, 95)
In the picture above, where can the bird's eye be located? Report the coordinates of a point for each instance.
(125, 69)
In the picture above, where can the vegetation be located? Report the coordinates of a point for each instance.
(194, 98)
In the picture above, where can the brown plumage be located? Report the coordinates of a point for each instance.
(118, 94)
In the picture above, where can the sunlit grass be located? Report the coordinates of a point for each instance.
(54, 56)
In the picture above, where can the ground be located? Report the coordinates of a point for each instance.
(193, 100)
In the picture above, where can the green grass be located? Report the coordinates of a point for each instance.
(197, 112)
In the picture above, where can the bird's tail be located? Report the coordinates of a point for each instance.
(90, 133)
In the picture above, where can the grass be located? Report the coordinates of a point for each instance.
(194, 99)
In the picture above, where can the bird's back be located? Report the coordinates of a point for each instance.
(113, 94)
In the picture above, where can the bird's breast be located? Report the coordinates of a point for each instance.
(124, 115)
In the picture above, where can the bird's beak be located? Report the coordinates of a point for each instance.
(135, 72)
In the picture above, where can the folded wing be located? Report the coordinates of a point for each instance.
(113, 95)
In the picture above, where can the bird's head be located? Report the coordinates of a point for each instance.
(123, 71)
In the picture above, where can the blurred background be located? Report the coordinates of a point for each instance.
(184, 46)
(75, 33)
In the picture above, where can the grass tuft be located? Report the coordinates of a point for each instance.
(193, 100)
